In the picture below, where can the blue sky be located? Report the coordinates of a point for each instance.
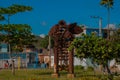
(47, 13)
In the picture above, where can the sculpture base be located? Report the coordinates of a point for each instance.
(70, 75)
(55, 75)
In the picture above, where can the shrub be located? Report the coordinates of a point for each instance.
(79, 67)
(90, 68)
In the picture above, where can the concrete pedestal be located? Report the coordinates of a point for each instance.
(70, 75)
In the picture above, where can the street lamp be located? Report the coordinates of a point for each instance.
(100, 24)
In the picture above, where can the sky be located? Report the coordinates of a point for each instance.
(47, 13)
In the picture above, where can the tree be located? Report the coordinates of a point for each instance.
(44, 42)
(15, 34)
(19, 35)
(13, 9)
(115, 39)
(116, 36)
(2, 18)
(98, 49)
(108, 4)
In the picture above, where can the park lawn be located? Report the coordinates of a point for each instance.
(45, 74)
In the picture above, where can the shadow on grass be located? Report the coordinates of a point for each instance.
(50, 72)
(43, 72)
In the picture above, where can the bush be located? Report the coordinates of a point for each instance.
(79, 67)
(90, 68)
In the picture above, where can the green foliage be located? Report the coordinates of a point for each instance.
(107, 3)
(84, 46)
(90, 46)
(2, 18)
(116, 36)
(115, 39)
(79, 67)
(89, 68)
(17, 35)
(44, 42)
(13, 9)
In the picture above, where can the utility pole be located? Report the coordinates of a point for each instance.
(49, 52)
(100, 24)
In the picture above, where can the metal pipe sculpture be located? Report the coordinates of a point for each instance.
(63, 35)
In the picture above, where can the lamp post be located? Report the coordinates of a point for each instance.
(100, 24)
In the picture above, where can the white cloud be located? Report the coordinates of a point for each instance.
(43, 23)
(42, 35)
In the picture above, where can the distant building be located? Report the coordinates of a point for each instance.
(103, 34)
(3, 48)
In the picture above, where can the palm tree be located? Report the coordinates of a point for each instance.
(2, 17)
(108, 4)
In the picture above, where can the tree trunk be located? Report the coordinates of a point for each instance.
(13, 67)
(108, 31)
(108, 70)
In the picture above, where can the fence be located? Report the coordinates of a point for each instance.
(22, 60)
(19, 58)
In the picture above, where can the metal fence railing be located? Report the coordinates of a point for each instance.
(22, 60)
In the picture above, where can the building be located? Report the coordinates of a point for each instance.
(3, 48)
(103, 33)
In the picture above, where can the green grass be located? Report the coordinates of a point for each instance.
(45, 74)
